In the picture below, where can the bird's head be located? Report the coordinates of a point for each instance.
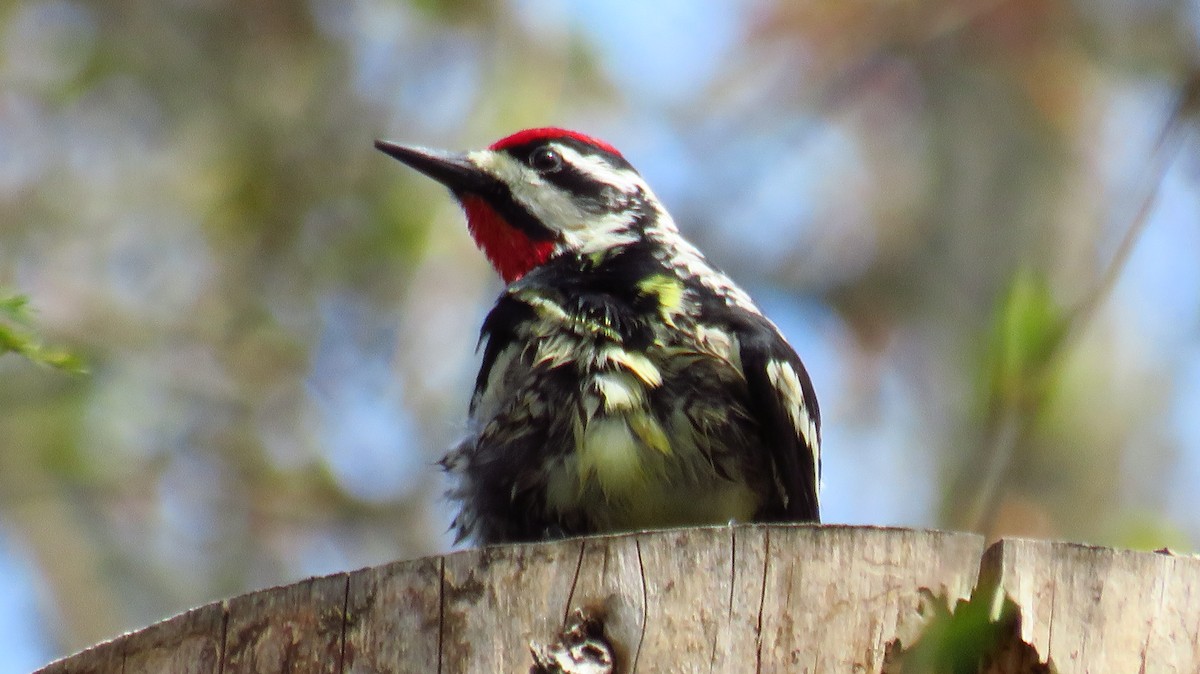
(539, 193)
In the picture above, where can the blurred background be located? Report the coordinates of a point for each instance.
(977, 220)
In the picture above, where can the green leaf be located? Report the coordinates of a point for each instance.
(982, 634)
(15, 307)
(1025, 338)
(15, 337)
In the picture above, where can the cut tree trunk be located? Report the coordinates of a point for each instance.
(746, 598)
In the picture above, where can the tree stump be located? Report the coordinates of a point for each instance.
(745, 598)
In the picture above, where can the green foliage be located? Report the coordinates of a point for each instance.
(979, 635)
(17, 337)
(1145, 530)
(1024, 342)
(1026, 334)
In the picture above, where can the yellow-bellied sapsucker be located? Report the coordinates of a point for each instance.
(626, 383)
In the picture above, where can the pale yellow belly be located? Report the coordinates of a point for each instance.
(627, 473)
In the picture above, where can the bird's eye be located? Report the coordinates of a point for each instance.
(545, 160)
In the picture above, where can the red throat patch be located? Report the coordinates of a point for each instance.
(510, 250)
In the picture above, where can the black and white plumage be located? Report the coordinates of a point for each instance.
(626, 383)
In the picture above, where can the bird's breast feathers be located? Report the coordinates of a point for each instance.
(649, 423)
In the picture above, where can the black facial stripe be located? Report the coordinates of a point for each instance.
(581, 184)
(500, 198)
(523, 151)
(592, 194)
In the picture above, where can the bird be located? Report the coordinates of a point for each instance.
(626, 383)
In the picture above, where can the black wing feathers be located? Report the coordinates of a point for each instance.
(499, 330)
(795, 462)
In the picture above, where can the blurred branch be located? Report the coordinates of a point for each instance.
(1041, 336)
(1170, 142)
(944, 24)
(1025, 337)
(999, 448)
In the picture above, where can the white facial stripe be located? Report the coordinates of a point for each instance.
(503, 166)
(624, 181)
(586, 233)
(557, 208)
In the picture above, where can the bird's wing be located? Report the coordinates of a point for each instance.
(782, 398)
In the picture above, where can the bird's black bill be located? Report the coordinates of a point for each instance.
(448, 168)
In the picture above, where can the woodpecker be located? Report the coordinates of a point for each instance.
(626, 383)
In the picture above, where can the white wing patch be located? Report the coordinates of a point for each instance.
(785, 380)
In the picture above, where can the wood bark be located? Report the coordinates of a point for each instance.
(746, 598)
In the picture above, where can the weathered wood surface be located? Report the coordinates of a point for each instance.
(727, 599)
(190, 643)
(1094, 609)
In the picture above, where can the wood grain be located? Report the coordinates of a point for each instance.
(1094, 609)
(189, 643)
(837, 595)
(747, 598)
(393, 618)
(296, 629)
